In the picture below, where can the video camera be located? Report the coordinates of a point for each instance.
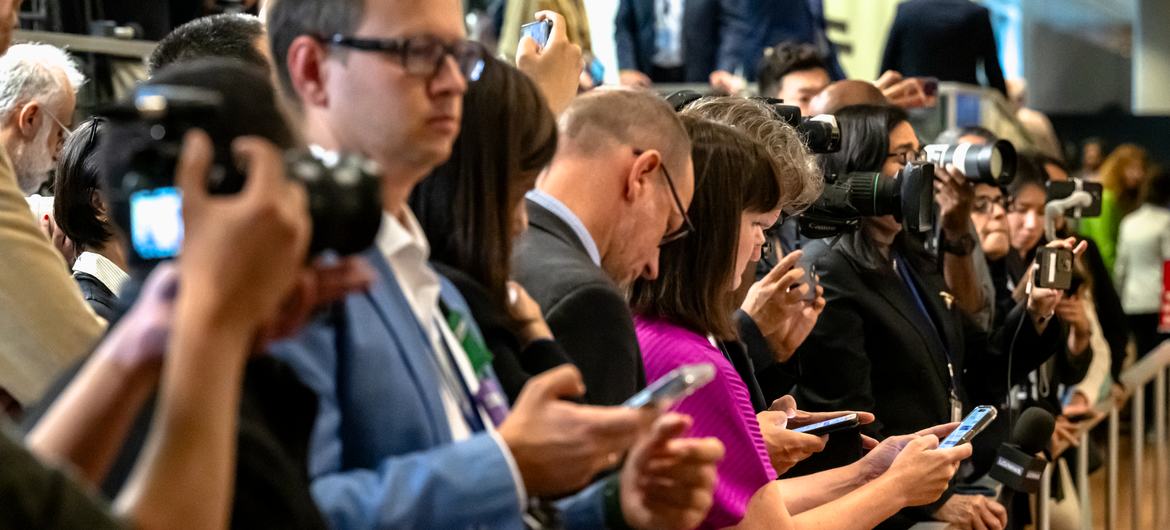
(819, 133)
(343, 190)
(909, 197)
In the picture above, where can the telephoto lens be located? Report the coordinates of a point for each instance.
(909, 197)
(993, 163)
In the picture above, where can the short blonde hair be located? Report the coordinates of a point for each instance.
(629, 116)
(801, 182)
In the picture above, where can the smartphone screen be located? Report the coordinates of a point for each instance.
(829, 426)
(672, 387)
(156, 222)
(972, 425)
(539, 31)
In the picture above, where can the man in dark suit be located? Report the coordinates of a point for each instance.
(682, 41)
(621, 181)
(797, 21)
(948, 39)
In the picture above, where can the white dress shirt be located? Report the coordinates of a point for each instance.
(96, 265)
(406, 250)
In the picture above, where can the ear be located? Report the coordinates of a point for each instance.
(27, 118)
(308, 70)
(640, 178)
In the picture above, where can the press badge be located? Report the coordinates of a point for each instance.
(956, 409)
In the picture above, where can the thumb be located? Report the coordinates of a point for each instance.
(526, 49)
(561, 382)
(924, 443)
(786, 404)
(667, 427)
(194, 165)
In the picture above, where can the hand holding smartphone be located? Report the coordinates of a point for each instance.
(540, 31)
(839, 423)
(972, 425)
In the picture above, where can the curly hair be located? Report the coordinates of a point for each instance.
(801, 182)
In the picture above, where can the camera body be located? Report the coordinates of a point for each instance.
(909, 197)
(1055, 268)
(993, 163)
(344, 191)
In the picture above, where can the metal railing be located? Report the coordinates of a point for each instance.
(1151, 368)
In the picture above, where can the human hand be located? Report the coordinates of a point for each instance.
(241, 253)
(1065, 435)
(558, 445)
(1042, 302)
(668, 482)
(139, 339)
(922, 471)
(882, 455)
(799, 418)
(727, 82)
(60, 241)
(634, 78)
(1072, 312)
(556, 69)
(955, 199)
(786, 448)
(972, 512)
(318, 284)
(526, 312)
(775, 304)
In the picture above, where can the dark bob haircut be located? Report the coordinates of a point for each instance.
(733, 175)
(78, 207)
(507, 136)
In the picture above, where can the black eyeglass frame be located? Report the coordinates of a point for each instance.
(469, 55)
(687, 227)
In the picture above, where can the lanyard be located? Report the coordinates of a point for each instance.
(904, 273)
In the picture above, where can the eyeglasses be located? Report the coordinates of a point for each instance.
(65, 130)
(905, 157)
(687, 227)
(983, 205)
(421, 56)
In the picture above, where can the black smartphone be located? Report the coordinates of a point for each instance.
(1077, 418)
(839, 423)
(1055, 269)
(672, 387)
(540, 31)
(1061, 190)
(973, 424)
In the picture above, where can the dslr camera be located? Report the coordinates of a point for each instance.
(993, 163)
(909, 197)
(343, 190)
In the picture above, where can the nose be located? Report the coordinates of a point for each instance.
(449, 79)
(650, 269)
(1031, 220)
(998, 212)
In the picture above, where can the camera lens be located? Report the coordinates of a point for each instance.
(993, 163)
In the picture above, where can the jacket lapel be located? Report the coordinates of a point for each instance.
(410, 339)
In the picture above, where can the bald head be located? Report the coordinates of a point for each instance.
(842, 94)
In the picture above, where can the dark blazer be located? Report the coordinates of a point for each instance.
(97, 295)
(800, 21)
(587, 314)
(513, 362)
(716, 35)
(947, 39)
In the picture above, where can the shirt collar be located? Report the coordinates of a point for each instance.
(395, 236)
(563, 212)
(103, 269)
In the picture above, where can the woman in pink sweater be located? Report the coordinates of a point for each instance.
(683, 317)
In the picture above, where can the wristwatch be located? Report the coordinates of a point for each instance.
(959, 247)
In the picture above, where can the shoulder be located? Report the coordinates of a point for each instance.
(662, 339)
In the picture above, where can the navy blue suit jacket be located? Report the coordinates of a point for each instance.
(948, 39)
(381, 454)
(716, 35)
(800, 21)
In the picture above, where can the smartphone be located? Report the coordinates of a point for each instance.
(673, 387)
(1055, 268)
(809, 279)
(156, 222)
(596, 71)
(972, 425)
(839, 423)
(1077, 418)
(1061, 190)
(540, 31)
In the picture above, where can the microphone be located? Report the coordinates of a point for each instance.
(1016, 465)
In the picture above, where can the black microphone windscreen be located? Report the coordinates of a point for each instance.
(1033, 430)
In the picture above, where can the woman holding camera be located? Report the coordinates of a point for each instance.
(892, 339)
(684, 317)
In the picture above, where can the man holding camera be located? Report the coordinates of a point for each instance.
(407, 435)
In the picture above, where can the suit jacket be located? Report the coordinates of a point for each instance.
(716, 35)
(382, 455)
(800, 21)
(947, 39)
(587, 314)
(99, 297)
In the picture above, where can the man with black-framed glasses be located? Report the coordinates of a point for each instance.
(617, 189)
(410, 432)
